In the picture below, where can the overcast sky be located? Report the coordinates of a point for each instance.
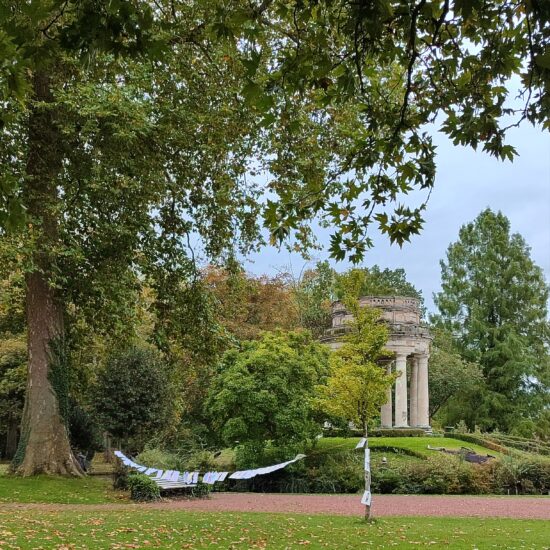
(467, 182)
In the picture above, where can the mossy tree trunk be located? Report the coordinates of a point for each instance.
(44, 446)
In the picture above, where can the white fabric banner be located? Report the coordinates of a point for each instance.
(366, 499)
(248, 474)
(191, 478)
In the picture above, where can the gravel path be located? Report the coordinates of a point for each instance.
(383, 505)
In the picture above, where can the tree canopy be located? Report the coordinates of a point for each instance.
(132, 130)
(494, 299)
(262, 394)
(450, 376)
(133, 396)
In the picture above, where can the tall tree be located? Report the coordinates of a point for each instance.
(374, 281)
(495, 301)
(313, 292)
(247, 305)
(127, 129)
(117, 163)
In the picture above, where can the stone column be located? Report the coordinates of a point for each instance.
(401, 391)
(413, 402)
(423, 415)
(386, 411)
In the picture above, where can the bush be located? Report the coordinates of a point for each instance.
(120, 476)
(385, 480)
(202, 490)
(523, 475)
(438, 475)
(143, 488)
(157, 458)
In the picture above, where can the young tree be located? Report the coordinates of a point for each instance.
(494, 300)
(262, 394)
(357, 385)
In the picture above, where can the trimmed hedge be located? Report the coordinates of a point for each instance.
(407, 432)
(376, 432)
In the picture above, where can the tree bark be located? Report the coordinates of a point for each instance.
(44, 446)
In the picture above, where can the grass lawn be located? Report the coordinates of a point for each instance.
(90, 490)
(417, 444)
(162, 529)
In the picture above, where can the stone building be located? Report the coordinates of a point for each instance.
(408, 400)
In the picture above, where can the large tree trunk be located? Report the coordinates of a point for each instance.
(44, 442)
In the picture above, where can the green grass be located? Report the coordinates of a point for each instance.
(415, 444)
(89, 490)
(143, 529)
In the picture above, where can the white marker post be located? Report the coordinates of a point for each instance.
(366, 499)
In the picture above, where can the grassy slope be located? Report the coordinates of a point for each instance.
(90, 490)
(141, 529)
(417, 444)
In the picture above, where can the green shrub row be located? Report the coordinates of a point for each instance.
(377, 432)
(407, 432)
(438, 474)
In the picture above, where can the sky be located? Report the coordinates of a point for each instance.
(467, 182)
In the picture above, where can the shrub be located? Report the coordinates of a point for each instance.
(143, 488)
(120, 476)
(438, 475)
(386, 480)
(202, 490)
(157, 458)
(199, 460)
(523, 475)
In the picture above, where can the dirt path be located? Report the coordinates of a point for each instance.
(383, 505)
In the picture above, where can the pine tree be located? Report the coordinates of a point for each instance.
(494, 299)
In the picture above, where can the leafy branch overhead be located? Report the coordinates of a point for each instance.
(363, 86)
(338, 99)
